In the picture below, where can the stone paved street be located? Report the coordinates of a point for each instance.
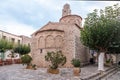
(18, 72)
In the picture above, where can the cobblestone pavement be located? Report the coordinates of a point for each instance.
(18, 72)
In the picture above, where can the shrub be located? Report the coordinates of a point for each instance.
(26, 59)
(76, 62)
(56, 59)
(34, 66)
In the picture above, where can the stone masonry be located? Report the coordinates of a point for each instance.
(63, 35)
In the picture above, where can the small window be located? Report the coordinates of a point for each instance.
(18, 41)
(4, 37)
(13, 40)
(40, 50)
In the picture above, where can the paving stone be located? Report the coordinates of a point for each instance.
(18, 72)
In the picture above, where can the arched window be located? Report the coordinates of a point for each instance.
(41, 42)
(49, 41)
(58, 41)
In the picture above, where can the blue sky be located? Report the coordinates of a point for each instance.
(23, 17)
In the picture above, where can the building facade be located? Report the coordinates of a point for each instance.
(15, 39)
(63, 35)
(10, 37)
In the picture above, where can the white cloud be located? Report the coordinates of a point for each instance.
(17, 28)
(22, 17)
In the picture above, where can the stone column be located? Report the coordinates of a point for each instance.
(101, 61)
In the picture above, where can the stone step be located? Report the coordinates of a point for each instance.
(102, 76)
(113, 76)
(98, 75)
(106, 73)
(110, 75)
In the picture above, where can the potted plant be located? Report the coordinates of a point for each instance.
(76, 69)
(26, 60)
(108, 63)
(34, 67)
(56, 59)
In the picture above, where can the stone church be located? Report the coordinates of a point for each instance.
(63, 35)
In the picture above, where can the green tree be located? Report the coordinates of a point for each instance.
(5, 45)
(22, 49)
(101, 31)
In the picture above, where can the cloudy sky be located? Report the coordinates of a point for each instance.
(23, 17)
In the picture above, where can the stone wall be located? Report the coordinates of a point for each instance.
(81, 52)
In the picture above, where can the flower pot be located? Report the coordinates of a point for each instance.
(108, 64)
(53, 71)
(29, 67)
(34, 69)
(76, 71)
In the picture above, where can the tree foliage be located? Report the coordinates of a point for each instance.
(5, 45)
(102, 29)
(22, 49)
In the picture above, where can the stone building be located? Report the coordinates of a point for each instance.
(15, 39)
(10, 37)
(63, 35)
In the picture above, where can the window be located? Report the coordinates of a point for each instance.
(18, 41)
(4, 37)
(40, 50)
(13, 40)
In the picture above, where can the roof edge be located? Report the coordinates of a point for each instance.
(70, 15)
(49, 30)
